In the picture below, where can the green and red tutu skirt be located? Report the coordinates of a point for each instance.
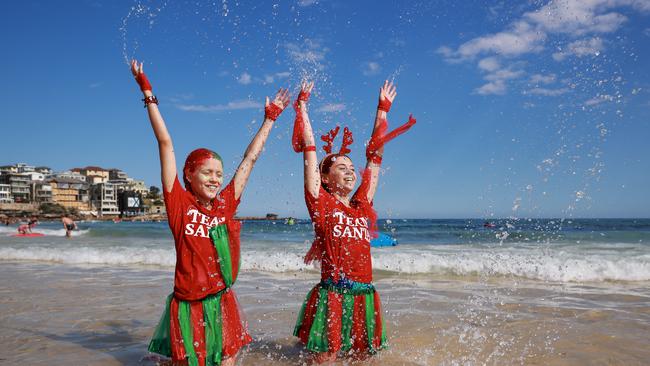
(342, 316)
(205, 331)
(201, 332)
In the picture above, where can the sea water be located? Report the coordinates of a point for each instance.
(561, 250)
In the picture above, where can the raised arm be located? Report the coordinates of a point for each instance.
(165, 147)
(271, 113)
(306, 140)
(387, 94)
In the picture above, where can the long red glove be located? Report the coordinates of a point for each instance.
(297, 139)
(379, 137)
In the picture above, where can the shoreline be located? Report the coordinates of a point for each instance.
(63, 314)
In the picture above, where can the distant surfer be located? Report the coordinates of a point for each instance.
(68, 224)
(25, 229)
(488, 225)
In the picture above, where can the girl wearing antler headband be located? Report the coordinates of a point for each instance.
(201, 324)
(342, 314)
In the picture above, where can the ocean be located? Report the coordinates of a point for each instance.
(561, 250)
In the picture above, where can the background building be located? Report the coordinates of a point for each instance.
(70, 193)
(103, 199)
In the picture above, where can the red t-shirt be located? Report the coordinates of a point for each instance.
(342, 235)
(197, 268)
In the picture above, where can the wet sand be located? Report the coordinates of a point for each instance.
(55, 314)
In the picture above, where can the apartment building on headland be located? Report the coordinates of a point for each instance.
(91, 190)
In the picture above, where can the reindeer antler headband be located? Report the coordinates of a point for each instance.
(329, 139)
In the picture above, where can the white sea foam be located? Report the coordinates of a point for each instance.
(11, 230)
(556, 265)
(553, 265)
(85, 255)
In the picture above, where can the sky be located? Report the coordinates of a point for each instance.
(524, 109)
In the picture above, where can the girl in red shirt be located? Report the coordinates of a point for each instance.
(342, 314)
(202, 324)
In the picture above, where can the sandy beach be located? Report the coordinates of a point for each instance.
(54, 314)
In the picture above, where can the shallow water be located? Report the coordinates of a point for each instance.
(101, 315)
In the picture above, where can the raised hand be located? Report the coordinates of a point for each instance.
(387, 94)
(305, 90)
(273, 110)
(140, 77)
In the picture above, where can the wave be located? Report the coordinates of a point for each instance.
(555, 266)
(9, 230)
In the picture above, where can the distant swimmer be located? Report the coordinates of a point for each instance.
(68, 224)
(488, 225)
(27, 228)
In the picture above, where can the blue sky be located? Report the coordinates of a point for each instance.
(525, 109)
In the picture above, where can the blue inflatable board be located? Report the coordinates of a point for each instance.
(383, 240)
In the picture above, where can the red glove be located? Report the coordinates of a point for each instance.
(272, 111)
(143, 82)
(297, 139)
(379, 138)
(384, 105)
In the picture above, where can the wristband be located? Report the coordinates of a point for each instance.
(272, 111)
(375, 159)
(142, 80)
(304, 96)
(150, 100)
(384, 105)
(309, 148)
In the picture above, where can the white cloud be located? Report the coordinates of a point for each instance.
(307, 2)
(547, 92)
(529, 34)
(520, 39)
(503, 74)
(177, 98)
(542, 79)
(95, 85)
(578, 17)
(489, 64)
(268, 79)
(371, 68)
(245, 78)
(647, 32)
(230, 106)
(580, 48)
(497, 87)
(311, 52)
(332, 108)
(601, 98)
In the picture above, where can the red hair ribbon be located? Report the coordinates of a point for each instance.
(142, 80)
(297, 139)
(379, 136)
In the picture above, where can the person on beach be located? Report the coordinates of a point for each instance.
(201, 324)
(68, 225)
(25, 229)
(342, 314)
